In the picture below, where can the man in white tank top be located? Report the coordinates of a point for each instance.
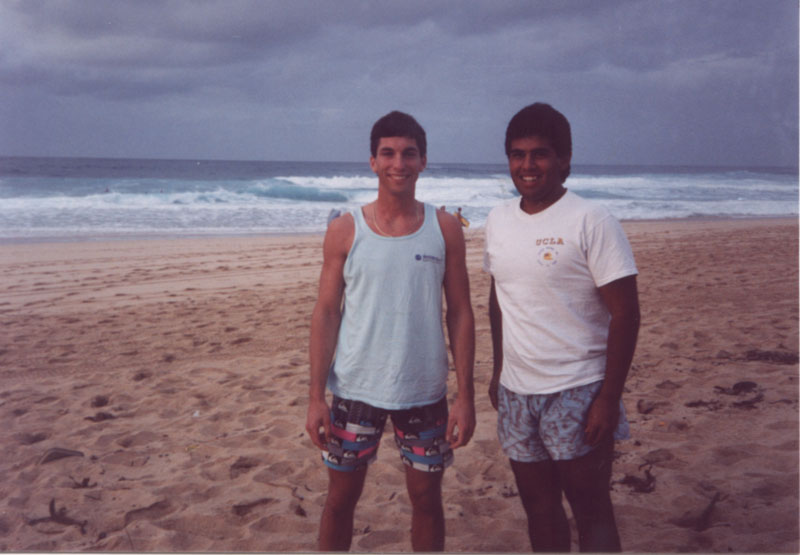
(377, 341)
(564, 314)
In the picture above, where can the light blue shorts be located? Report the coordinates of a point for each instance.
(534, 428)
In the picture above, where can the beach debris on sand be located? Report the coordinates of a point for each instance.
(100, 417)
(644, 406)
(737, 389)
(740, 388)
(638, 484)
(749, 403)
(58, 516)
(83, 484)
(710, 405)
(56, 453)
(698, 522)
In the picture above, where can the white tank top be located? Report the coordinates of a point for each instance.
(391, 351)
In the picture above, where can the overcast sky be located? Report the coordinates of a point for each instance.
(682, 82)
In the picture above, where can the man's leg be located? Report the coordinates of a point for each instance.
(420, 435)
(336, 525)
(540, 492)
(586, 482)
(427, 516)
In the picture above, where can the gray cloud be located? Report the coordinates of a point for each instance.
(643, 81)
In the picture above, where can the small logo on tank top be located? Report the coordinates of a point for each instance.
(548, 256)
(427, 258)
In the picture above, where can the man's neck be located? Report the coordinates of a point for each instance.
(396, 205)
(393, 216)
(540, 206)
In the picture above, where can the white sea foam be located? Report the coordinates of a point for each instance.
(97, 199)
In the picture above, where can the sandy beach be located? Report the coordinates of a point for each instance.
(153, 397)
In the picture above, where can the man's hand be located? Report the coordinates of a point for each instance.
(601, 420)
(494, 385)
(496, 324)
(318, 423)
(462, 416)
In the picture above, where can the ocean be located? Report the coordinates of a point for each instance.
(60, 199)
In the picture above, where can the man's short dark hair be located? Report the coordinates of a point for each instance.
(397, 124)
(542, 120)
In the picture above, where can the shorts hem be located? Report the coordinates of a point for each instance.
(554, 457)
(348, 467)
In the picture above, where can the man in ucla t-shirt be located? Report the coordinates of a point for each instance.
(564, 313)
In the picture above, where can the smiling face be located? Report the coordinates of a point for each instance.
(537, 172)
(397, 163)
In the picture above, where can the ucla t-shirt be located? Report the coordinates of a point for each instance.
(547, 268)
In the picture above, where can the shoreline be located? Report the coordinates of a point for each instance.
(96, 239)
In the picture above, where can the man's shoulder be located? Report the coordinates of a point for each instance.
(445, 216)
(450, 229)
(594, 221)
(340, 233)
(342, 223)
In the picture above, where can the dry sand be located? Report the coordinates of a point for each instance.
(153, 398)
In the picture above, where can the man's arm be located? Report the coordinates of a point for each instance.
(325, 321)
(622, 299)
(460, 330)
(496, 324)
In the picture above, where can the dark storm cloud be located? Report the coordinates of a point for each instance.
(643, 81)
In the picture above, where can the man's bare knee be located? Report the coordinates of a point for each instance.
(344, 488)
(586, 479)
(424, 489)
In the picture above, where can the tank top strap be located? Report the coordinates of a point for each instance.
(428, 219)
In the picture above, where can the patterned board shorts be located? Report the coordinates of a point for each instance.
(356, 430)
(534, 428)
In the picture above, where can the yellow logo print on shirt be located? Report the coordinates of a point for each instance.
(548, 256)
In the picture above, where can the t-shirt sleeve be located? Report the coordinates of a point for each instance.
(609, 254)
